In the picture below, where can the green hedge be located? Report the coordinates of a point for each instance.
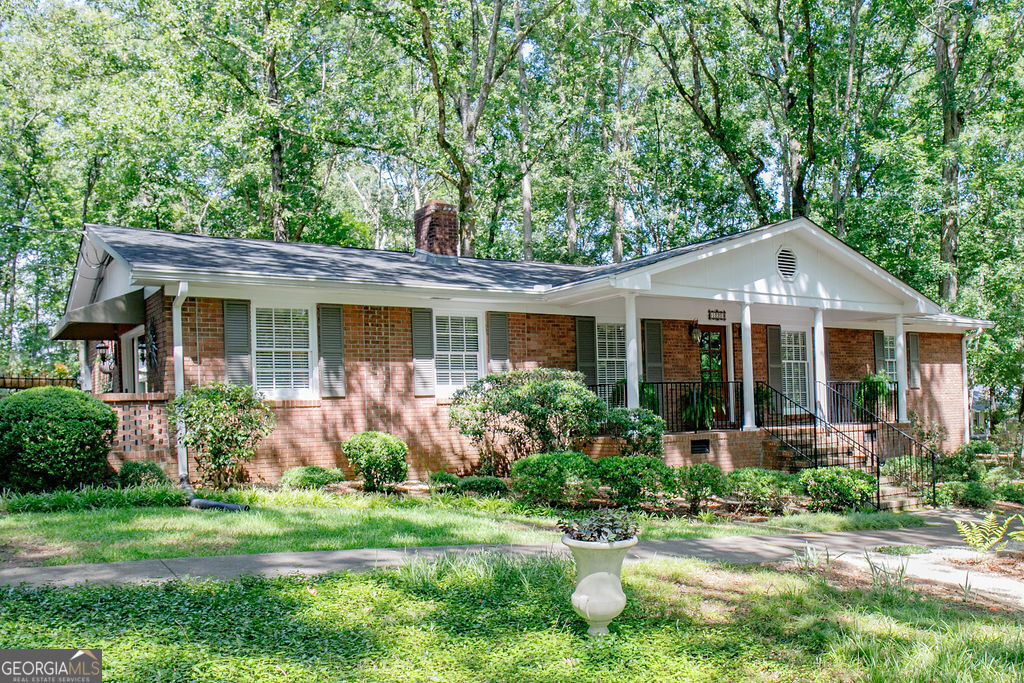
(378, 457)
(141, 473)
(632, 480)
(557, 479)
(483, 485)
(310, 477)
(764, 491)
(54, 438)
(971, 494)
(837, 489)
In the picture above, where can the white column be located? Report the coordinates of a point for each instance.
(968, 390)
(746, 344)
(632, 353)
(178, 343)
(901, 370)
(820, 366)
(85, 370)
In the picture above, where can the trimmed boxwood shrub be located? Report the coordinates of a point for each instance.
(560, 478)
(641, 431)
(54, 438)
(764, 491)
(971, 494)
(443, 480)
(310, 477)
(141, 473)
(697, 483)
(483, 485)
(633, 479)
(379, 457)
(837, 489)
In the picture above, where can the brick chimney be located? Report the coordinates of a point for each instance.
(437, 233)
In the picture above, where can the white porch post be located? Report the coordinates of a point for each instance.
(746, 341)
(901, 370)
(820, 366)
(632, 353)
(85, 370)
(178, 343)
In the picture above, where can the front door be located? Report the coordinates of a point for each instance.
(711, 356)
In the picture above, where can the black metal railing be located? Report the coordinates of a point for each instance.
(904, 461)
(850, 402)
(811, 438)
(612, 393)
(695, 406)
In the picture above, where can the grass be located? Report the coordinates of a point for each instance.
(297, 520)
(502, 619)
(903, 550)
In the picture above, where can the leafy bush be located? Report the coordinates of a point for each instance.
(960, 466)
(54, 438)
(871, 391)
(903, 468)
(1013, 493)
(972, 494)
(701, 405)
(998, 477)
(378, 457)
(976, 448)
(633, 479)
(141, 473)
(764, 491)
(603, 526)
(837, 489)
(484, 485)
(560, 478)
(697, 483)
(223, 425)
(641, 431)
(93, 498)
(443, 480)
(511, 414)
(310, 477)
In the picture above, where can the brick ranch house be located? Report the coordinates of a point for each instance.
(344, 340)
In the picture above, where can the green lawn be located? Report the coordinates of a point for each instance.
(502, 619)
(315, 520)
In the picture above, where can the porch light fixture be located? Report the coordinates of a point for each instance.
(106, 363)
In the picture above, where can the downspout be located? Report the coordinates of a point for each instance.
(179, 381)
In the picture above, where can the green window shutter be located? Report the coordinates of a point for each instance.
(423, 351)
(913, 360)
(332, 351)
(879, 351)
(828, 355)
(237, 346)
(497, 342)
(775, 357)
(654, 365)
(586, 349)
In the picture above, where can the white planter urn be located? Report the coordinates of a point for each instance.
(598, 597)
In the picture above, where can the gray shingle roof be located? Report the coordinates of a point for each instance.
(159, 250)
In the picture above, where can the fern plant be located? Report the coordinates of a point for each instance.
(986, 535)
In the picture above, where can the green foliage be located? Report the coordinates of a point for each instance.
(95, 498)
(602, 526)
(632, 480)
(223, 425)
(697, 483)
(54, 438)
(511, 414)
(378, 457)
(700, 406)
(908, 469)
(563, 478)
(1000, 476)
(1013, 493)
(141, 473)
(310, 477)
(986, 535)
(904, 550)
(483, 485)
(641, 431)
(871, 391)
(837, 489)
(764, 491)
(972, 494)
(976, 448)
(960, 466)
(443, 480)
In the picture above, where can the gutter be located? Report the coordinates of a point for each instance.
(179, 381)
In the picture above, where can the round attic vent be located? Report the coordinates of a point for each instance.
(785, 260)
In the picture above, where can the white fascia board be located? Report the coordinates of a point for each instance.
(638, 282)
(767, 298)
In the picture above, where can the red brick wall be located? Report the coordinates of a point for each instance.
(851, 353)
(680, 353)
(941, 396)
(540, 340)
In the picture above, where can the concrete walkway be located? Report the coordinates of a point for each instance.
(732, 549)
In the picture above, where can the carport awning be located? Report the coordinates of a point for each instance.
(101, 319)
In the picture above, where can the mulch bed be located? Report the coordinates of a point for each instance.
(1006, 563)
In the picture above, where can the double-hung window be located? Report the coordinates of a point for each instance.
(282, 351)
(794, 366)
(456, 351)
(889, 347)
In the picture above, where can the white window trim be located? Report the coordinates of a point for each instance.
(808, 363)
(886, 339)
(444, 392)
(129, 359)
(313, 392)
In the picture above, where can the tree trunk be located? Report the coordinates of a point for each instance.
(618, 209)
(570, 222)
(947, 63)
(276, 198)
(524, 142)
